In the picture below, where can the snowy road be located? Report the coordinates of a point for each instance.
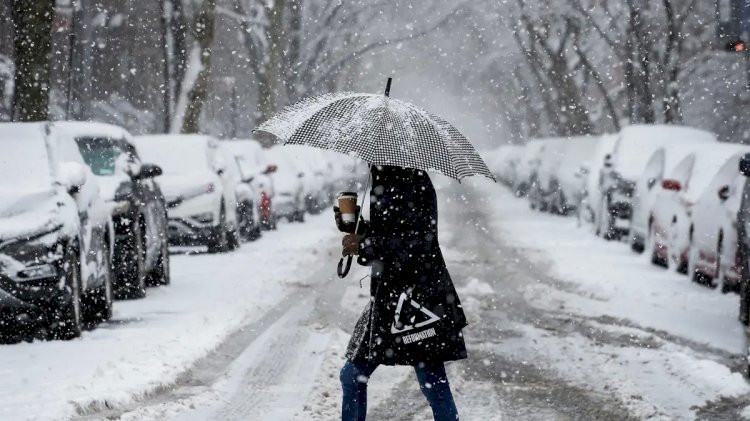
(563, 326)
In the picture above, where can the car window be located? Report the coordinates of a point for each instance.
(102, 154)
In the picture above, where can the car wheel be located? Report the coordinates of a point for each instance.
(655, 258)
(98, 303)
(160, 275)
(605, 221)
(219, 240)
(133, 284)
(66, 322)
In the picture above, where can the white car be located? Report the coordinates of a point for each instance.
(633, 149)
(662, 162)
(290, 196)
(714, 253)
(671, 216)
(248, 154)
(200, 188)
(55, 232)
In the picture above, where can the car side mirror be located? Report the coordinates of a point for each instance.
(271, 169)
(672, 185)
(72, 176)
(724, 193)
(300, 175)
(651, 183)
(149, 171)
(745, 165)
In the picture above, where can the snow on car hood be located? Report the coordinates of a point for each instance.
(188, 184)
(24, 214)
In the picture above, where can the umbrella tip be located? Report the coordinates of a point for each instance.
(388, 87)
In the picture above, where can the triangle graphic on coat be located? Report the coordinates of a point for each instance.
(431, 317)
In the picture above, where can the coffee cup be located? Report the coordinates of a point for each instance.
(348, 207)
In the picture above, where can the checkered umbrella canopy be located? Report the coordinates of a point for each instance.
(379, 130)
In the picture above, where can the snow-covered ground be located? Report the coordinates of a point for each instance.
(150, 342)
(562, 324)
(657, 342)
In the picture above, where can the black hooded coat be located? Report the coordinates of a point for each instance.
(414, 314)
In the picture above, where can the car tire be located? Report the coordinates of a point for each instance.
(97, 306)
(133, 284)
(219, 240)
(67, 320)
(605, 228)
(161, 275)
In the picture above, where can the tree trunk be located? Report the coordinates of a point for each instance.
(269, 80)
(294, 35)
(32, 21)
(204, 36)
(166, 9)
(178, 28)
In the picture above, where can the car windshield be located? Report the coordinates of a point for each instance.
(100, 154)
(24, 164)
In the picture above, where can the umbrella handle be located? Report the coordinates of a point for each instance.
(344, 270)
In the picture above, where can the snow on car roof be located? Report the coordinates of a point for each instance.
(708, 160)
(176, 154)
(25, 162)
(636, 144)
(90, 129)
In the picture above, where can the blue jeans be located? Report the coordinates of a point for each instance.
(432, 380)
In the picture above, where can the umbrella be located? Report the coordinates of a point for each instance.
(379, 130)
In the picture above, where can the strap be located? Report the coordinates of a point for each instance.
(341, 270)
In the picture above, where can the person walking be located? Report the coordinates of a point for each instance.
(414, 316)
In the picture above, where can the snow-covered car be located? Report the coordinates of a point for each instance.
(55, 232)
(550, 158)
(647, 187)
(568, 182)
(248, 216)
(633, 149)
(714, 255)
(528, 163)
(139, 212)
(312, 167)
(592, 172)
(669, 234)
(289, 197)
(502, 162)
(248, 154)
(199, 187)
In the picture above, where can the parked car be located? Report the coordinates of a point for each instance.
(743, 242)
(200, 189)
(139, 212)
(248, 217)
(248, 155)
(528, 165)
(662, 162)
(714, 254)
(634, 147)
(670, 229)
(550, 158)
(55, 232)
(568, 181)
(591, 173)
(289, 198)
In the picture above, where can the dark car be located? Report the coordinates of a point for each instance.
(743, 249)
(55, 233)
(139, 211)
